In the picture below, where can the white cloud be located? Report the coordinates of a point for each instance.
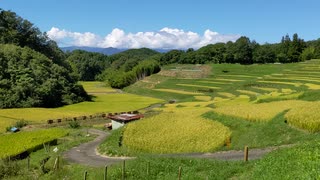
(165, 38)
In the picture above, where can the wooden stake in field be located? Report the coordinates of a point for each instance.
(180, 172)
(106, 172)
(85, 175)
(246, 153)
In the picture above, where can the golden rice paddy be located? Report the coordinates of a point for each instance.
(203, 98)
(198, 86)
(305, 116)
(258, 112)
(176, 130)
(178, 91)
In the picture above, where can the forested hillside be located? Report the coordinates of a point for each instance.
(33, 70)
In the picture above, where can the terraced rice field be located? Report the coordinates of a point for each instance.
(15, 144)
(198, 86)
(176, 130)
(305, 116)
(101, 103)
(258, 112)
(178, 91)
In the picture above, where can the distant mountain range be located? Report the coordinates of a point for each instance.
(106, 51)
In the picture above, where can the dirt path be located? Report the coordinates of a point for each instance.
(231, 155)
(87, 154)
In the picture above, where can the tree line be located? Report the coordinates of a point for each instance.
(245, 51)
(35, 72)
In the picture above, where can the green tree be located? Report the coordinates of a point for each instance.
(243, 50)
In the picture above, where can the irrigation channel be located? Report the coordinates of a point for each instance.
(87, 153)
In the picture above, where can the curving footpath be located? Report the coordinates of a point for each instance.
(87, 153)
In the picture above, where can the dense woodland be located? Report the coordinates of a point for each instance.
(34, 72)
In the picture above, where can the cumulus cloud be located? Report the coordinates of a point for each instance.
(166, 38)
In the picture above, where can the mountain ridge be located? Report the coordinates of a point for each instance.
(107, 51)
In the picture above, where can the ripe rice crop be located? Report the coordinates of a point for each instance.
(258, 112)
(101, 103)
(15, 144)
(305, 116)
(225, 94)
(203, 98)
(287, 91)
(178, 91)
(248, 92)
(281, 82)
(277, 96)
(238, 75)
(198, 86)
(266, 89)
(241, 99)
(229, 80)
(176, 130)
(96, 87)
(313, 86)
(214, 82)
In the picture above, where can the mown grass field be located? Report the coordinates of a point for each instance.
(103, 102)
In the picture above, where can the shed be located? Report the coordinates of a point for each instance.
(119, 120)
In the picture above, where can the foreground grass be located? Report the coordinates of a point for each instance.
(294, 163)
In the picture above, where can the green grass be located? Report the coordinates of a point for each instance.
(300, 162)
(258, 135)
(96, 87)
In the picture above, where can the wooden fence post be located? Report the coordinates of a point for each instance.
(85, 175)
(246, 153)
(180, 172)
(106, 172)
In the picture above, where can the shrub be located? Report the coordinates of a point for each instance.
(74, 124)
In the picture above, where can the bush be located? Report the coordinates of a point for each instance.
(74, 124)
(21, 123)
(8, 168)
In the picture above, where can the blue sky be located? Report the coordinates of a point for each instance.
(168, 23)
